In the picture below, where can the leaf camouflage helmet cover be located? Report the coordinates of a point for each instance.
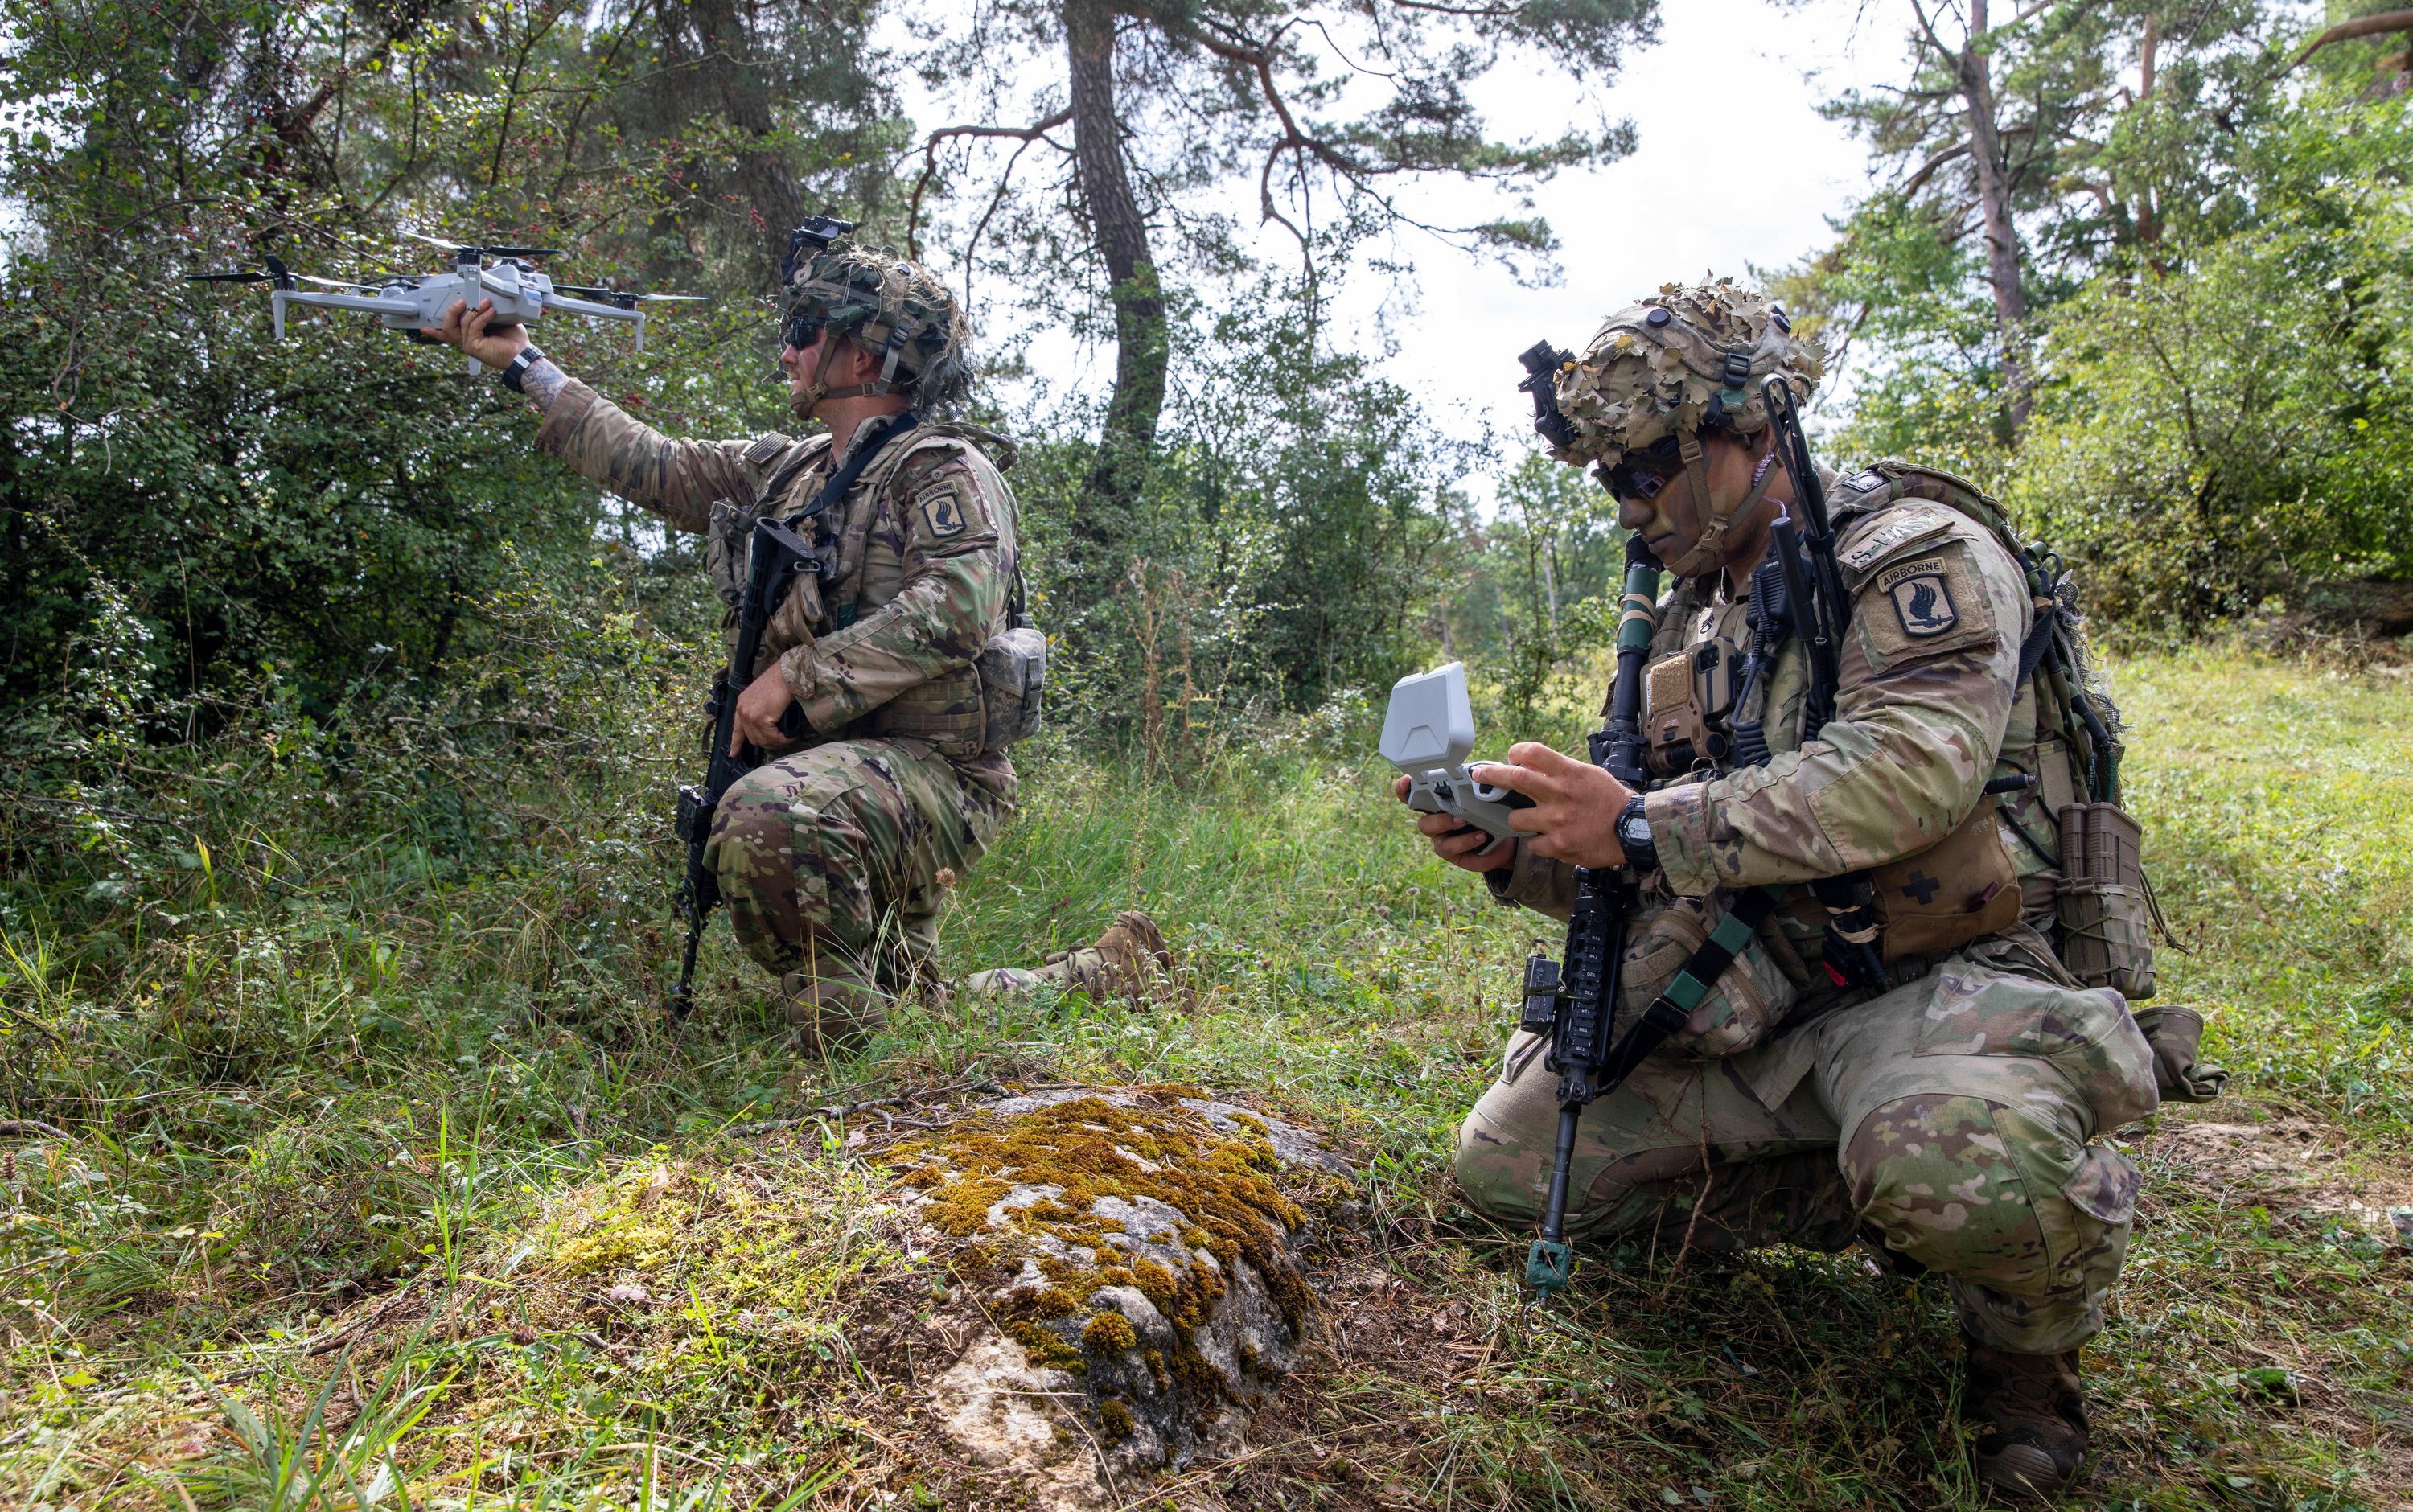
(896, 309)
(1658, 372)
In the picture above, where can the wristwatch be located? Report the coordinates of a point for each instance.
(1633, 836)
(516, 369)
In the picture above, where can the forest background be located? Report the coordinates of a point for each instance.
(305, 659)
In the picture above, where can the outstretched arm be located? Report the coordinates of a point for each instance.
(600, 441)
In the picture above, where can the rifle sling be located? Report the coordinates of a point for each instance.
(1693, 981)
(2032, 651)
(843, 478)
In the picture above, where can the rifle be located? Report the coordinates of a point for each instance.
(774, 558)
(1542, 361)
(1575, 1005)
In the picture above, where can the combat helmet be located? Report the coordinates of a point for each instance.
(1688, 358)
(892, 306)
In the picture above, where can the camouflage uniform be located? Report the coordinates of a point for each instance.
(829, 854)
(1957, 1113)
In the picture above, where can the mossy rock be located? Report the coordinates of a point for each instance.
(1170, 1222)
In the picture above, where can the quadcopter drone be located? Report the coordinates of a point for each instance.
(409, 301)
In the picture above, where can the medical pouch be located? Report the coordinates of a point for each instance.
(1963, 887)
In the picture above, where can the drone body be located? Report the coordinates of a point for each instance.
(410, 302)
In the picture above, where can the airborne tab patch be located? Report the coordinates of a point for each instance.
(1922, 599)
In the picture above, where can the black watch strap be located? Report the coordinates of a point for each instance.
(516, 371)
(1633, 836)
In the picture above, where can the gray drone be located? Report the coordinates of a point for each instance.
(409, 301)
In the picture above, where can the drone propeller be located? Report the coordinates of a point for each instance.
(459, 250)
(274, 273)
(624, 298)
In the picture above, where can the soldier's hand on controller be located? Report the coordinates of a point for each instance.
(466, 328)
(1573, 817)
(759, 708)
(1457, 841)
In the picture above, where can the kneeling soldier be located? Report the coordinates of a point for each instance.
(1952, 1114)
(887, 774)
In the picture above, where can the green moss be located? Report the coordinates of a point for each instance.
(1115, 1416)
(1056, 1302)
(1087, 1149)
(1154, 1360)
(1045, 1345)
(1108, 1333)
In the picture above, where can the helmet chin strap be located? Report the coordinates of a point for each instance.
(1710, 547)
(806, 402)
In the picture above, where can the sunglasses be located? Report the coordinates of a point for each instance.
(1641, 475)
(801, 330)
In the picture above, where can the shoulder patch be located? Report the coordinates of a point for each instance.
(767, 447)
(948, 514)
(1926, 604)
(1884, 534)
(942, 515)
(1921, 594)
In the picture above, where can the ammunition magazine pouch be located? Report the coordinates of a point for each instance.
(2104, 907)
(1963, 887)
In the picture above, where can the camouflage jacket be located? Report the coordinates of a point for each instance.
(1926, 713)
(922, 550)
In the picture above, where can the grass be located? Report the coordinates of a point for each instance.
(370, 1124)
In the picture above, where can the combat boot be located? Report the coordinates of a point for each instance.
(2030, 1413)
(831, 1010)
(1130, 961)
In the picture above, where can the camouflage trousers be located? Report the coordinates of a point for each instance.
(1957, 1114)
(830, 857)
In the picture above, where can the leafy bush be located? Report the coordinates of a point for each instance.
(2215, 436)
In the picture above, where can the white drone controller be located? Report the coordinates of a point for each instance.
(1427, 732)
(410, 302)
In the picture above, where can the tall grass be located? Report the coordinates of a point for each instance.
(351, 1006)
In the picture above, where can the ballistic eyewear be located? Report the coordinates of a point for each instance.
(801, 330)
(1641, 475)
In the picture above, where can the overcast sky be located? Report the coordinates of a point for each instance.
(1733, 166)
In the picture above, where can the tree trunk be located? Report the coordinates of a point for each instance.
(1994, 206)
(762, 178)
(1129, 439)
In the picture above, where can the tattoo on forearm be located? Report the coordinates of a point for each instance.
(541, 383)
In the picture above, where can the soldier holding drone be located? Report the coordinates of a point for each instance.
(874, 725)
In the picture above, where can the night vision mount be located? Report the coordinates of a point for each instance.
(810, 241)
(409, 301)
